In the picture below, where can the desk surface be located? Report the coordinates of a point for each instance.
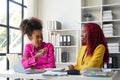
(12, 74)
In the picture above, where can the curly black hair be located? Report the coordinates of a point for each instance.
(27, 26)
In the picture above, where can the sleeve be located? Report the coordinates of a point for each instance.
(95, 61)
(51, 58)
(82, 67)
(97, 58)
(77, 64)
(30, 61)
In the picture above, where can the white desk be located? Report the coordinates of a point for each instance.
(12, 74)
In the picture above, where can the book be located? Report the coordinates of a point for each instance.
(56, 55)
(65, 56)
(107, 28)
(57, 25)
(54, 73)
(59, 54)
(107, 11)
(108, 25)
(53, 25)
(113, 44)
(113, 63)
(97, 72)
(61, 40)
(108, 34)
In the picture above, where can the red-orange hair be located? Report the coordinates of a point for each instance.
(95, 37)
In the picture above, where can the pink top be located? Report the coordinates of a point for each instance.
(45, 61)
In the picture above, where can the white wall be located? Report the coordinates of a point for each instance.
(65, 11)
(32, 8)
(32, 11)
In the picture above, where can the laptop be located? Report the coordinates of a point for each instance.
(17, 66)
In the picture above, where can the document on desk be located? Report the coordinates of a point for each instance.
(94, 72)
(53, 73)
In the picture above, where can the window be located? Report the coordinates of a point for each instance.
(3, 40)
(11, 39)
(15, 16)
(15, 39)
(3, 12)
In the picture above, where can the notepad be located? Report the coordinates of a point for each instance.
(98, 72)
(53, 73)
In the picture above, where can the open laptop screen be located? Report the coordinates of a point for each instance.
(17, 66)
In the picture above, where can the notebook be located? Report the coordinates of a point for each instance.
(98, 72)
(17, 66)
(54, 73)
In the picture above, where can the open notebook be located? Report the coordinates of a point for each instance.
(17, 66)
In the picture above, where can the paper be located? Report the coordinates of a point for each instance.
(53, 73)
(98, 72)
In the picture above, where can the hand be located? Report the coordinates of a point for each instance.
(71, 67)
(43, 51)
(40, 53)
(32, 67)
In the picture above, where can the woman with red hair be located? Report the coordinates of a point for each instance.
(94, 51)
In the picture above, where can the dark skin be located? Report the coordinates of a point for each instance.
(36, 38)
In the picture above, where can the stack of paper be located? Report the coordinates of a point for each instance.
(114, 47)
(107, 15)
(108, 29)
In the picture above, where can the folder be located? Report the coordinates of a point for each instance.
(57, 25)
(68, 40)
(113, 62)
(61, 40)
(64, 40)
(65, 56)
(109, 65)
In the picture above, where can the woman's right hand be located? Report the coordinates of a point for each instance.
(40, 53)
(71, 67)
